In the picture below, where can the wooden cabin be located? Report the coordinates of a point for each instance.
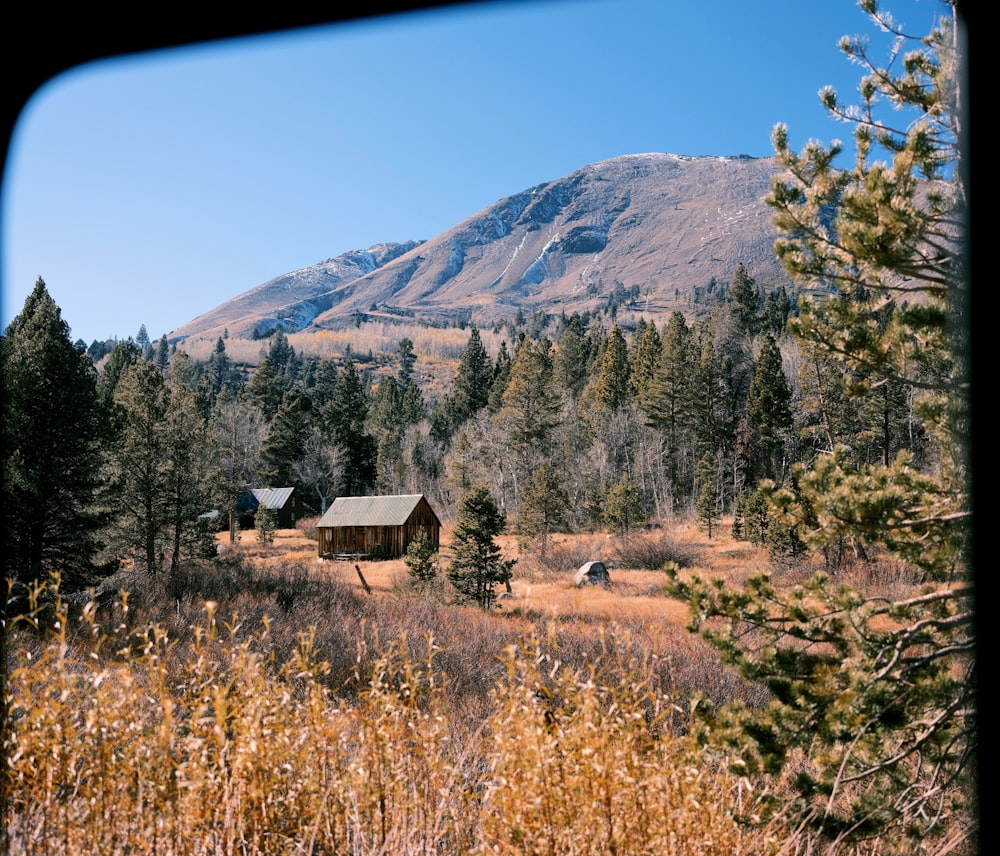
(375, 527)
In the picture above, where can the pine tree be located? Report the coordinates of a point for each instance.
(137, 473)
(266, 388)
(343, 419)
(829, 416)
(186, 460)
(843, 405)
(530, 410)
(121, 357)
(735, 374)
(422, 561)
(886, 413)
(387, 427)
(407, 359)
(543, 504)
(623, 506)
(745, 299)
(718, 393)
(572, 358)
(265, 523)
(706, 398)
(707, 485)
(162, 356)
(282, 356)
(775, 312)
(501, 376)
(286, 437)
(666, 399)
(613, 389)
(769, 406)
(892, 256)
(873, 698)
(219, 372)
(324, 382)
(755, 520)
(413, 408)
(473, 381)
(51, 453)
(646, 362)
(478, 564)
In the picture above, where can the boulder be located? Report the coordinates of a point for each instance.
(593, 574)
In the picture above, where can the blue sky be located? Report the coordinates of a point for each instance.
(149, 190)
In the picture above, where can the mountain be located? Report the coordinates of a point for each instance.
(292, 300)
(662, 227)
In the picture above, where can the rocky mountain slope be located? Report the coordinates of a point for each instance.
(662, 227)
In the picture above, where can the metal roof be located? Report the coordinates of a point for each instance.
(272, 497)
(391, 510)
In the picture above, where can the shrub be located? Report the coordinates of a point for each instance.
(307, 526)
(651, 551)
(561, 559)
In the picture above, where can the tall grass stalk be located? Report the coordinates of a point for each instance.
(123, 739)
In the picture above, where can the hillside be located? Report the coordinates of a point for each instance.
(660, 228)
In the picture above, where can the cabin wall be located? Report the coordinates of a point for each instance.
(291, 513)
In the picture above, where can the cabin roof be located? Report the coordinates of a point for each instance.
(273, 497)
(393, 510)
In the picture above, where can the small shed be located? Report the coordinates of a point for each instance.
(376, 527)
(283, 501)
(592, 574)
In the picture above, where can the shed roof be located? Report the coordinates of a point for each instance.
(393, 510)
(272, 497)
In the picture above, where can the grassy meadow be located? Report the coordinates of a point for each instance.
(264, 703)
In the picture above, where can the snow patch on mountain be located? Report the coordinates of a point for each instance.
(456, 260)
(510, 262)
(538, 270)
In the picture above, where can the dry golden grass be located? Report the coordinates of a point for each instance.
(212, 746)
(634, 592)
(439, 348)
(266, 704)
